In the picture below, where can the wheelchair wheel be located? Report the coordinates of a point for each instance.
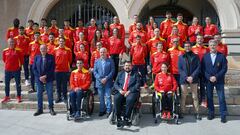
(136, 117)
(153, 105)
(89, 102)
(112, 118)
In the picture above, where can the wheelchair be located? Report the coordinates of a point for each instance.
(86, 109)
(135, 115)
(157, 108)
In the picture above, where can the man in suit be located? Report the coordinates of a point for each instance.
(214, 66)
(189, 69)
(127, 86)
(43, 67)
(104, 71)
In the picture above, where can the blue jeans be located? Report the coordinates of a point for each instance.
(8, 77)
(76, 99)
(105, 92)
(49, 89)
(221, 98)
(61, 80)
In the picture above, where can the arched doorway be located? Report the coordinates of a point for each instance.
(73, 10)
(199, 8)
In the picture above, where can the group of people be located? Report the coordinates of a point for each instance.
(174, 54)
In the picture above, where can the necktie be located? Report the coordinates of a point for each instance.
(103, 66)
(125, 86)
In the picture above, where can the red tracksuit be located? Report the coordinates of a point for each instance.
(174, 54)
(133, 35)
(171, 37)
(222, 48)
(70, 33)
(121, 30)
(95, 55)
(12, 32)
(80, 79)
(63, 59)
(50, 47)
(166, 28)
(210, 29)
(77, 46)
(22, 42)
(183, 30)
(200, 50)
(44, 38)
(157, 59)
(191, 32)
(12, 59)
(54, 29)
(29, 32)
(138, 53)
(151, 44)
(34, 49)
(116, 45)
(91, 31)
(78, 30)
(84, 56)
(165, 82)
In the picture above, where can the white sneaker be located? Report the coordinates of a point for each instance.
(27, 83)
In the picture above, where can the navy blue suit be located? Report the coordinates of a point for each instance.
(48, 70)
(193, 70)
(218, 69)
(133, 87)
(104, 69)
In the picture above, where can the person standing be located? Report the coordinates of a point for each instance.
(43, 67)
(189, 69)
(13, 59)
(214, 65)
(104, 72)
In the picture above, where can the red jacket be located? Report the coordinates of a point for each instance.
(157, 59)
(121, 30)
(80, 79)
(171, 37)
(84, 56)
(211, 30)
(174, 54)
(138, 53)
(54, 30)
(191, 32)
(149, 31)
(68, 42)
(70, 33)
(104, 44)
(77, 46)
(200, 50)
(116, 45)
(22, 42)
(222, 48)
(151, 44)
(41, 30)
(12, 59)
(166, 27)
(12, 32)
(105, 34)
(133, 35)
(95, 55)
(132, 28)
(29, 32)
(165, 82)
(78, 30)
(44, 38)
(183, 30)
(91, 31)
(63, 59)
(34, 50)
(50, 47)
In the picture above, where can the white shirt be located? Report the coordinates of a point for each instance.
(213, 57)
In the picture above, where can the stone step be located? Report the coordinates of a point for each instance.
(145, 108)
(146, 98)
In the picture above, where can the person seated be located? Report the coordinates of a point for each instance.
(80, 81)
(165, 85)
(127, 86)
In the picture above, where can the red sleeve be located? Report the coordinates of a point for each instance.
(71, 81)
(161, 28)
(4, 56)
(226, 52)
(130, 29)
(130, 39)
(190, 33)
(123, 33)
(87, 83)
(156, 84)
(70, 56)
(215, 30)
(92, 61)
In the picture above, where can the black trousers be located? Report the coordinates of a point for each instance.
(115, 58)
(167, 101)
(130, 101)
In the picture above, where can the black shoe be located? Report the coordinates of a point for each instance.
(198, 117)
(38, 112)
(59, 100)
(101, 114)
(52, 112)
(126, 122)
(210, 117)
(31, 91)
(120, 124)
(223, 120)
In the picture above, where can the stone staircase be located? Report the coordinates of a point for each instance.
(30, 100)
